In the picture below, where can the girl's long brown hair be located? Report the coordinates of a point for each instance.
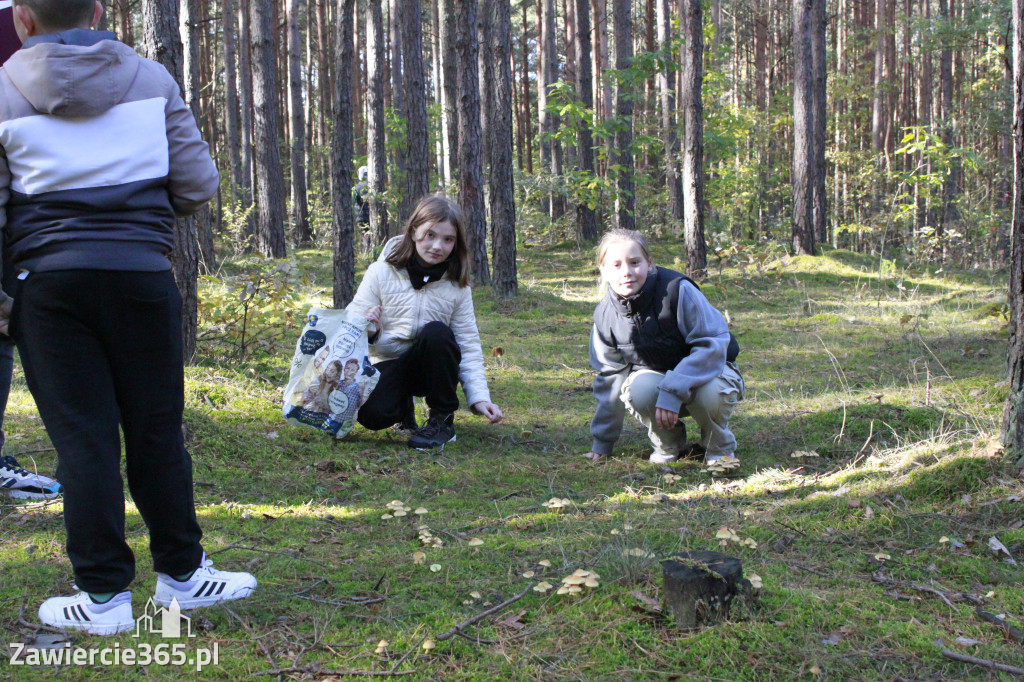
(435, 208)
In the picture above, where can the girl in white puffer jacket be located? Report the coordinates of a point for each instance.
(423, 332)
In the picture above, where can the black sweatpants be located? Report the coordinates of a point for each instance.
(430, 368)
(102, 348)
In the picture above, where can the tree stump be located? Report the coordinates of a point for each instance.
(699, 587)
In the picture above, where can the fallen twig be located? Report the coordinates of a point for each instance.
(351, 601)
(268, 551)
(483, 614)
(248, 630)
(316, 670)
(941, 595)
(1010, 631)
(34, 626)
(985, 663)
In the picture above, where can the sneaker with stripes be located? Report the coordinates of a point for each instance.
(18, 482)
(80, 612)
(206, 587)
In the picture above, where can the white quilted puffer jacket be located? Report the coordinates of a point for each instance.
(405, 311)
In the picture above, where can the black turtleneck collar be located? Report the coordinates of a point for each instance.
(628, 307)
(420, 273)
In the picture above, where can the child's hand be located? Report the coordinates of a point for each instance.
(373, 314)
(489, 410)
(666, 418)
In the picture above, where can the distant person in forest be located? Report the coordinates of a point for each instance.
(15, 481)
(362, 202)
(98, 154)
(423, 330)
(662, 352)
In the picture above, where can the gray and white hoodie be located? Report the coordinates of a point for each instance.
(98, 154)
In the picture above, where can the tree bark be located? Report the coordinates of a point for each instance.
(417, 154)
(485, 74)
(1013, 418)
(191, 37)
(622, 150)
(246, 105)
(550, 149)
(300, 207)
(451, 91)
(376, 151)
(818, 94)
(341, 160)
(471, 187)
(525, 98)
(232, 123)
(163, 44)
(667, 101)
(950, 188)
(586, 218)
(692, 26)
(269, 180)
(502, 195)
(803, 131)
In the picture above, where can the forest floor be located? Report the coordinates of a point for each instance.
(869, 553)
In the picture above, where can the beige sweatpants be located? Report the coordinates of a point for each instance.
(712, 407)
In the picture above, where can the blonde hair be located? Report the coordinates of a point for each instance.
(433, 209)
(620, 235)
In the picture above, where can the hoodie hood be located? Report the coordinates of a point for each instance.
(76, 73)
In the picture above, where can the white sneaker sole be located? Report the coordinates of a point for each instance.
(434, 447)
(24, 495)
(200, 602)
(89, 627)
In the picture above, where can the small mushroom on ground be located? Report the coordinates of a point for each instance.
(418, 557)
(542, 586)
(475, 542)
(428, 644)
(382, 646)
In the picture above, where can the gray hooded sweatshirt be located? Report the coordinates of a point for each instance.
(98, 154)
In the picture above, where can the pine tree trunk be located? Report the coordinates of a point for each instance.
(436, 88)
(231, 117)
(300, 207)
(376, 151)
(163, 44)
(550, 150)
(1013, 421)
(692, 26)
(622, 151)
(502, 195)
(471, 186)
(246, 106)
(341, 160)
(525, 99)
(485, 74)
(451, 91)
(269, 180)
(191, 36)
(586, 218)
(803, 131)
(818, 95)
(667, 101)
(947, 120)
(417, 154)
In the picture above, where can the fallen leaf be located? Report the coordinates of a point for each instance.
(966, 641)
(1000, 550)
(513, 621)
(651, 603)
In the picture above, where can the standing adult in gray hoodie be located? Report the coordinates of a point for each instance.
(98, 154)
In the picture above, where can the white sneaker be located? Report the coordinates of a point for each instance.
(80, 612)
(206, 587)
(18, 482)
(659, 458)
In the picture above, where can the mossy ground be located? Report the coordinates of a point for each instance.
(892, 377)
